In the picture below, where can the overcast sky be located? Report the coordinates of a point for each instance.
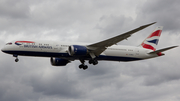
(34, 79)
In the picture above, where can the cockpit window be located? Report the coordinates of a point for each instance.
(9, 43)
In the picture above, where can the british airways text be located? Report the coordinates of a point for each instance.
(35, 46)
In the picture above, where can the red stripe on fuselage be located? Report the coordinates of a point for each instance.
(148, 46)
(156, 33)
(24, 42)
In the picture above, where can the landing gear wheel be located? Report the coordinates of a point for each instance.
(81, 66)
(16, 60)
(85, 67)
(90, 61)
(93, 61)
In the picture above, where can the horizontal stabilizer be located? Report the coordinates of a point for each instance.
(162, 50)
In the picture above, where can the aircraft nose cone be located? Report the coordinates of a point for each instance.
(2, 49)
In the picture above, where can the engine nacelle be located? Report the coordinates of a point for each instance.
(58, 61)
(77, 50)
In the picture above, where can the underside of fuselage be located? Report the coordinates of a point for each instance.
(68, 57)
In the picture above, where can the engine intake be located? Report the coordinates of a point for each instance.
(58, 61)
(77, 50)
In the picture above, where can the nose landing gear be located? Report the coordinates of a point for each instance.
(16, 60)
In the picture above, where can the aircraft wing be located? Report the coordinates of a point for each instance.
(98, 48)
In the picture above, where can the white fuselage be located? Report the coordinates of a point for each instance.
(60, 50)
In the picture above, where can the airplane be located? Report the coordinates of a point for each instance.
(62, 53)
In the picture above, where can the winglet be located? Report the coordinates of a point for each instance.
(148, 24)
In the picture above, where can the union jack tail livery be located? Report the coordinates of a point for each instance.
(152, 40)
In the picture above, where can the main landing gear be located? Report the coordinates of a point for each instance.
(16, 60)
(83, 66)
(93, 61)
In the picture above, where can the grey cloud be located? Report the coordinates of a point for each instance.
(162, 74)
(58, 85)
(35, 79)
(14, 9)
(165, 12)
(113, 25)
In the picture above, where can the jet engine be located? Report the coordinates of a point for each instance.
(58, 61)
(77, 50)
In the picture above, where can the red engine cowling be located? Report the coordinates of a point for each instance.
(58, 61)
